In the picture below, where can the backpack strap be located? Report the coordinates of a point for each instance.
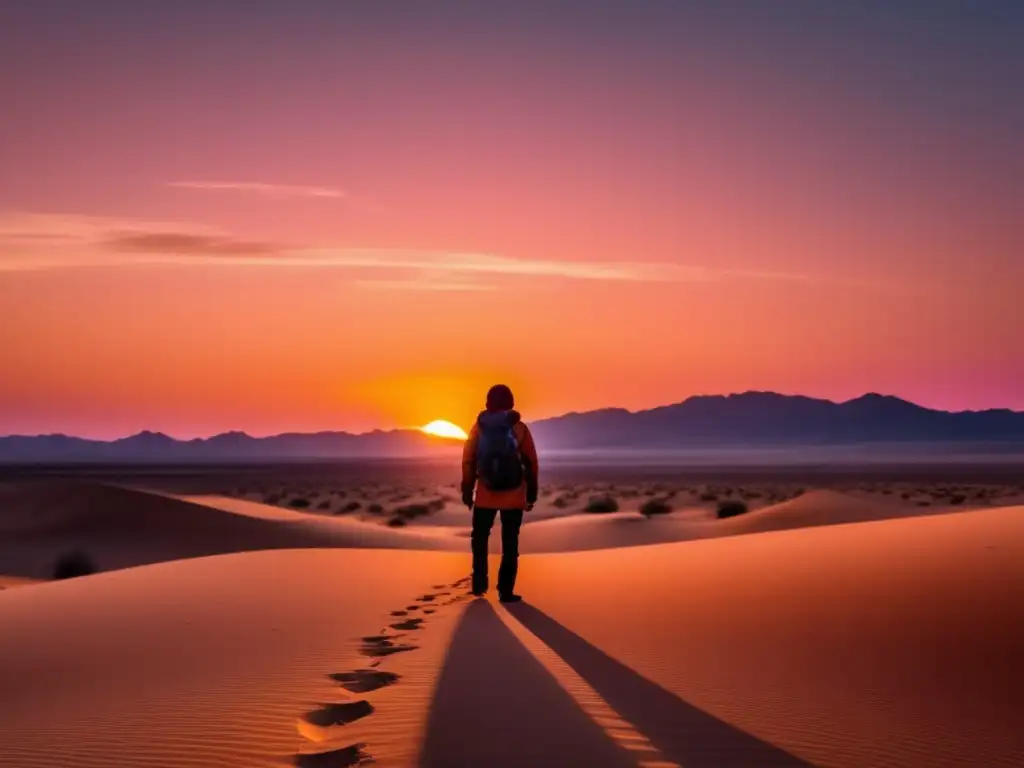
(519, 430)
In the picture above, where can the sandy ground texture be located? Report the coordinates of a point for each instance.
(793, 634)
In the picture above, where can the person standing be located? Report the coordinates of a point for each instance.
(499, 463)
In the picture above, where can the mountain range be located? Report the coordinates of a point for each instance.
(750, 419)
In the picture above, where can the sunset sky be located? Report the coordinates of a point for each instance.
(331, 214)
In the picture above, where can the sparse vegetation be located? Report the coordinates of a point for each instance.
(375, 509)
(412, 511)
(730, 508)
(653, 507)
(602, 504)
(396, 522)
(70, 565)
(957, 499)
(348, 507)
(708, 496)
(562, 502)
(325, 504)
(299, 503)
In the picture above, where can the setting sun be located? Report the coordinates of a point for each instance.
(442, 428)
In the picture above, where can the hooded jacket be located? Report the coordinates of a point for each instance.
(517, 498)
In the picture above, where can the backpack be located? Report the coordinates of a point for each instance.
(499, 463)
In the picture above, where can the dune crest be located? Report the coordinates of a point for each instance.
(122, 527)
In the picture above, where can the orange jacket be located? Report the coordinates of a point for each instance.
(518, 498)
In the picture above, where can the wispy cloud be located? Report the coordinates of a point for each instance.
(423, 285)
(184, 244)
(260, 188)
(43, 241)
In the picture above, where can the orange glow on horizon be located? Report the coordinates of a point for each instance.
(442, 428)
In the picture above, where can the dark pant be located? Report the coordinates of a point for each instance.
(483, 521)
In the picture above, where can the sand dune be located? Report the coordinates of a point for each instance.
(218, 661)
(891, 644)
(825, 507)
(583, 531)
(579, 532)
(10, 582)
(121, 527)
(894, 643)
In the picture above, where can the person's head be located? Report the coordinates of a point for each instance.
(499, 398)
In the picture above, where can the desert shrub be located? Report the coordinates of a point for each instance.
(351, 506)
(375, 509)
(602, 504)
(708, 496)
(731, 508)
(562, 502)
(905, 496)
(73, 564)
(924, 503)
(412, 511)
(299, 503)
(273, 498)
(653, 507)
(436, 505)
(887, 492)
(396, 522)
(325, 504)
(957, 498)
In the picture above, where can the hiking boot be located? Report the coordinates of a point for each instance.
(510, 597)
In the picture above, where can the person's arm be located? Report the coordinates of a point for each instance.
(529, 451)
(469, 466)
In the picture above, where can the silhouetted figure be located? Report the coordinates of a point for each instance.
(499, 460)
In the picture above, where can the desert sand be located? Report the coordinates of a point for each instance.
(846, 627)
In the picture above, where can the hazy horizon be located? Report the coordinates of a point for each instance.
(414, 427)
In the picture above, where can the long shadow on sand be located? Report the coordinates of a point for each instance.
(684, 734)
(495, 705)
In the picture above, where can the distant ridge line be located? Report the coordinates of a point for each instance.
(743, 419)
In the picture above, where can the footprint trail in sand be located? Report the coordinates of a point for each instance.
(316, 725)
